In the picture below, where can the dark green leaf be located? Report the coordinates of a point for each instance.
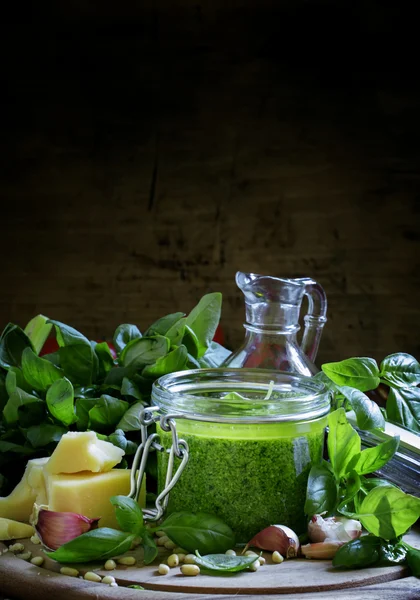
(174, 361)
(16, 448)
(352, 486)
(368, 413)
(38, 372)
(144, 351)
(403, 407)
(198, 531)
(44, 434)
(413, 560)
(97, 544)
(4, 394)
(13, 341)
(171, 326)
(107, 412)
(131, 419)
(149, 547)
(392, 553)
(124, 334)
(117, 374)
(224, 562)
(105, 359)
(32, 413)
(401, 369)
(118, 439)
(321, 495)
(76, 354)
(388, 512)
(15, 379)
(60, 401)
(215, 356)
(128, 513)
(358, 553)
(17, 400)
(82, 407)
(38, 329)
(361, 373)
(343, 442)
(374, 458)
(190, 341)
(204, 319)
(129, 389)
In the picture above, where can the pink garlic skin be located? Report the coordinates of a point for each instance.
(333, 529)
(321, 550)
(57, 528)
(277, 537)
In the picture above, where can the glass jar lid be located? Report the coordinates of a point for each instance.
(226, 395)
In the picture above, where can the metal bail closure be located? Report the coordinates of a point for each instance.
(148, 443)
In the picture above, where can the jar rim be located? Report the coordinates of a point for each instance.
(264, 395)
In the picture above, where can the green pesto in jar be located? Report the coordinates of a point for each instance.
(251, 475)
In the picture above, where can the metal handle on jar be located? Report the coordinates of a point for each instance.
(315, 318)
(179, 449)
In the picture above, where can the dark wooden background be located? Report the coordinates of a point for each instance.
(151, 150)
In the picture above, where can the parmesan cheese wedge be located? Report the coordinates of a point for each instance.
(12, 530)
(18, 504)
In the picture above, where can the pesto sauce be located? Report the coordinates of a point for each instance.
(249, 481)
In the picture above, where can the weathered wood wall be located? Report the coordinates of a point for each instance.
(150, 152)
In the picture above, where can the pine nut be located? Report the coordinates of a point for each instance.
(110, 565)
(108, 579)
(163, 569)
(113, 584)
(255, 565)
(25, 555)
(91, 576)
(162, 540)
(69, 571)
(169, 545)
(126, 560)
(261, 560)
(189, 559)
(18, 547)
(276, 557)
(160, 534)
(37, 561)
(250, 553)
(190, 570)
(173, 560)
(230, 552)
(35, 539)
(181, 557)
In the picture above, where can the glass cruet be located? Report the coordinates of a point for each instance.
(272, 309)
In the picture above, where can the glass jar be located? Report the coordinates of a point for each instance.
(252, 436)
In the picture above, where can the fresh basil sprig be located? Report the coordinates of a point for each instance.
(97, 544)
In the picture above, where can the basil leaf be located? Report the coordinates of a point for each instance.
(401, 369)
(4, 394)
(15, 380)
(388, 512)
(131, 418)
(358, 553)
(343, 442)
(38, 329)
(353, 485)
(172, 326)
(368, 413)
(204, 319)
(149, 547)
(44, 434)
(13, 341)
(97, 544)
(190, 341)
(321, 495)
(198, 531)
(16, 401)
(32, 413)
(392, 553)
(403, 407)
(16, 448)
(124, 334)
(128, 513)
(38, 372)
(105, 359)
(215, 356)
(413, 560)
(224, 562)
(60, 401)
(129, 389)
(76, 354)
(82, 408)
(106, 412)
(174, 361)
(372, 459)
(361, 373)
(144, 351)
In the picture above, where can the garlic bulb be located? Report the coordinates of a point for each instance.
(321, 550)
(277, 537)
(56, 528)
(333, 529)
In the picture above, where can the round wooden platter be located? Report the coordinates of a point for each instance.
(24, 580)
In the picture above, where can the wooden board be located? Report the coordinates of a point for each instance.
(291, 577)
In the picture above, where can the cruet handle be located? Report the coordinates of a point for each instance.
(315, 318)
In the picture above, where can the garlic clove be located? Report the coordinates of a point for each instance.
(277, 537)
(338, 529)
(321, 550)
(56, 528)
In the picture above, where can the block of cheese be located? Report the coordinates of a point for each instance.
(12, 530)
(83, 451)
(88, 494)
(18, 504)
